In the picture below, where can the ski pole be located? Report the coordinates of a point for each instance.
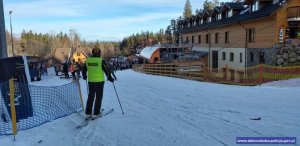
(118, 98)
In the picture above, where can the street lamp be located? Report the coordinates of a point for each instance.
(11, 35)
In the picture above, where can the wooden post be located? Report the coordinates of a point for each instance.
(190, 70)
(165, 69)
(177, 70)
(226, 68)
(81, 99)
(260, 74)
(12, 107)
(160, 69)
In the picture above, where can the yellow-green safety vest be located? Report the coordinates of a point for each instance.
(94, 67)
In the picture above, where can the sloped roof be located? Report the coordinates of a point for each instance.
(86, 51)
(235, 6)
(217, 8)
(131, 57)
(62, 54)
(207, 12)
(148, 51)
(263, 12)
(50, 55)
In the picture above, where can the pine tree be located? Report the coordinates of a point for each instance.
(187, 9)
(168, 35)
(208, 5)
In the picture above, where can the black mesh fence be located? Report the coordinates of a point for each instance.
(36, 105)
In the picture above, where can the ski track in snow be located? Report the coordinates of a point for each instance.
(165, 111)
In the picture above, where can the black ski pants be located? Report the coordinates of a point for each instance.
(94, 88)
(66, 74)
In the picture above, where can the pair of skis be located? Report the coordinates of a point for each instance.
(86, 122)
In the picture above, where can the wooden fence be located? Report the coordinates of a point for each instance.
(255, 75)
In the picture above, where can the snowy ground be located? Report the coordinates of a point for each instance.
(295, 82)
(164, 111)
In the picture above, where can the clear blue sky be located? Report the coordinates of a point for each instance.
(104, 20)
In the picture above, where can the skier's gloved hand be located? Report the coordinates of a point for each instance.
(84, 76)
(110, 78)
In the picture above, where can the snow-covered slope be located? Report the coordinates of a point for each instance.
(164, 111)
(294, 82)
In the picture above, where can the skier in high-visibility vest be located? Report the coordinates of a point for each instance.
(93, 71)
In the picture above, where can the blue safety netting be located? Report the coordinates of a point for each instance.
(36, 105)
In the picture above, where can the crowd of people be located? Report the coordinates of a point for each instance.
(75, 68)
(37, 69)
(122, 64)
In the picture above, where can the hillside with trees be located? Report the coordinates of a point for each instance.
(37, 44)
(142, 39)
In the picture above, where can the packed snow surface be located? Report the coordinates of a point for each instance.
(165, 111)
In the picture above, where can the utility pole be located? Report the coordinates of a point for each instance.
(11, 35)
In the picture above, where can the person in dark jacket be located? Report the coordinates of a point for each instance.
(66, 70)
(78, 69)
(93, 71)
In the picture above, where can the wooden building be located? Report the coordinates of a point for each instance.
(81, 54)
(242, 34)
(163, 53)
(63, 55)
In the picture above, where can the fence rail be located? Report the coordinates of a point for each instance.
(255, 75)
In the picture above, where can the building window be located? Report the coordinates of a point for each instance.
(204, 20)
(187, 39)
(241, 57)
(230, 13)
(226, 37)
(181, 39)
(207, 38)
(251, 35)
(219, 16)
(216, 38)
(292, 32)
(231, 57)
(209, 19)
(199, 39)
(255, 6)
(193, 39)
(224, 14)
(251, 57)
(223, 55)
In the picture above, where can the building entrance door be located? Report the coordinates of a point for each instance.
(215, 59)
